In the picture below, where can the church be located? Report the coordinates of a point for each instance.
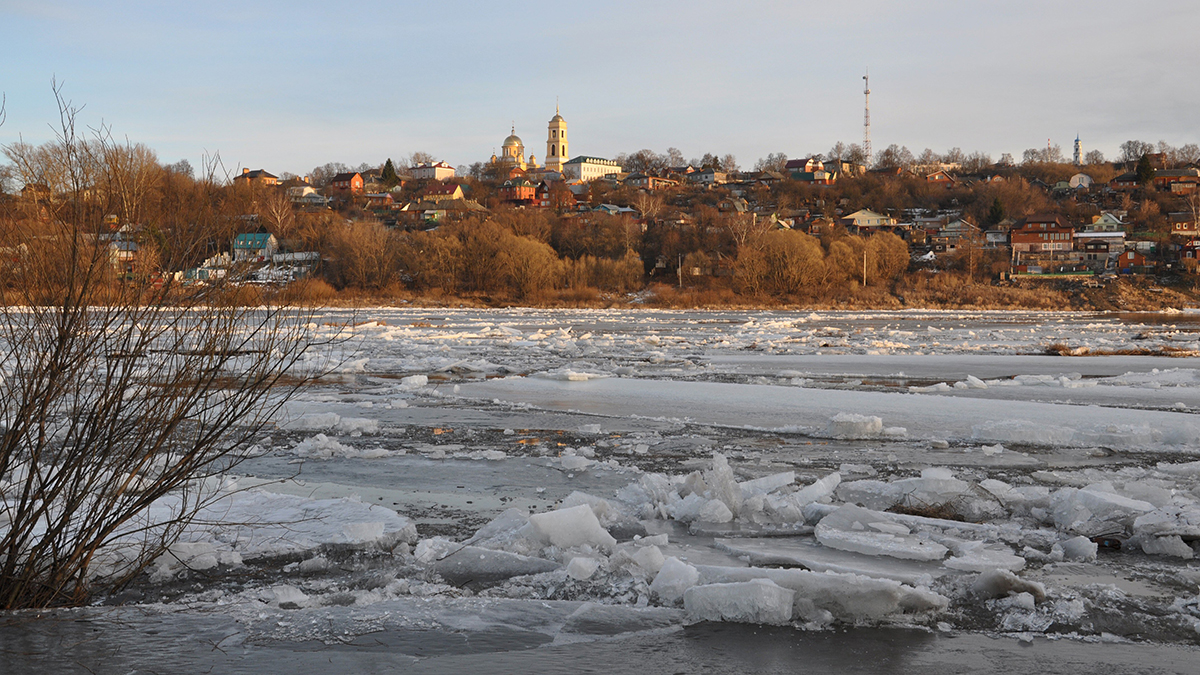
(512, 161)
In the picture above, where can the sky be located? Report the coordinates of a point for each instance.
(288, 86)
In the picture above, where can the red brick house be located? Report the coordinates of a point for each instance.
(351, 182)
(518, 191)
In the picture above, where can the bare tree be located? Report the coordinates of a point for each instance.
(122, 391)
(648, 204)
(1132, 151)
(774, 161)
(276, 210)
(1093, 158)
(420, 158)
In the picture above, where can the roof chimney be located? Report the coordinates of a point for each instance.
(245, 171)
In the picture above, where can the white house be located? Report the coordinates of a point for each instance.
(254, 247)
(434, 171)
(584, 168)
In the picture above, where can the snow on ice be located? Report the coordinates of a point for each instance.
(654, 468)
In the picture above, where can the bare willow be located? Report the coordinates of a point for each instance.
(122, 390)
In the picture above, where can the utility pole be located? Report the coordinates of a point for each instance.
(864, 265)
(867, 117)
(679, 270)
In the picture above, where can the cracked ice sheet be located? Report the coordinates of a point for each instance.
(946, 367)
(1115, 381)
(809, 410)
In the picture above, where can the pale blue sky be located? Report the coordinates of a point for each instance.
(287, 86)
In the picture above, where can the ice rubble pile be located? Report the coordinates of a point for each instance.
(861, 561)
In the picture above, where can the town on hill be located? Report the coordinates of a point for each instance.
(839, 228)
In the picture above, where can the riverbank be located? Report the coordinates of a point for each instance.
(915, 292)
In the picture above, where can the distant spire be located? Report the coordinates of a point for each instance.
(555, 105)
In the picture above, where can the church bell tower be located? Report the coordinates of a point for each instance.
(556, 142)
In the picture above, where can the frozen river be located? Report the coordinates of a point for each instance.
(605, 491)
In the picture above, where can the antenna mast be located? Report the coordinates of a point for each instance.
(867, 117)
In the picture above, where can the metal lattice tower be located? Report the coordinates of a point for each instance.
(867, 117)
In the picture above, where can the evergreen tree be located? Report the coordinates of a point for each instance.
(996, 212)
(1145, 172)
(389, 176)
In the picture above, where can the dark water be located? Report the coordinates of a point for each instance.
(129, 642)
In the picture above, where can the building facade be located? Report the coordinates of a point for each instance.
(586, 169)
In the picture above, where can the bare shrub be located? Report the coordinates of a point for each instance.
(120, 389)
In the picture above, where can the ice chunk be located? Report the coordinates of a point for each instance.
(357, 426)
(688, 509)
(605, 512)
(581, 568)
(1186, 469)
(575, 462)
(851, 425)
(1172, 545)
(313, 422)
(767, 484)
(314, 565)
(722, 485)
(572, 526)
(1081, 509)
(433, 549)
(674, 577)
(850, 597)
(414, 381)
(1079, 549)
(502, 530)
(975, 383)
(872, 494)
(819, 490)
(755, 601)
(286, 596)
(998, 583)
(477, 567)
(852, 528)
(976, 556)
(715, 511)
(200, 555)
(643, 561)
(596, 619)
(935, 487)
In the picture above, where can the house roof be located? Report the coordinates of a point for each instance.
(442, 189)
(864, 213)
(1044, 218)
(1177, 173)
(345, 176)
(591, 160)
(255, 241)
(257, 173)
